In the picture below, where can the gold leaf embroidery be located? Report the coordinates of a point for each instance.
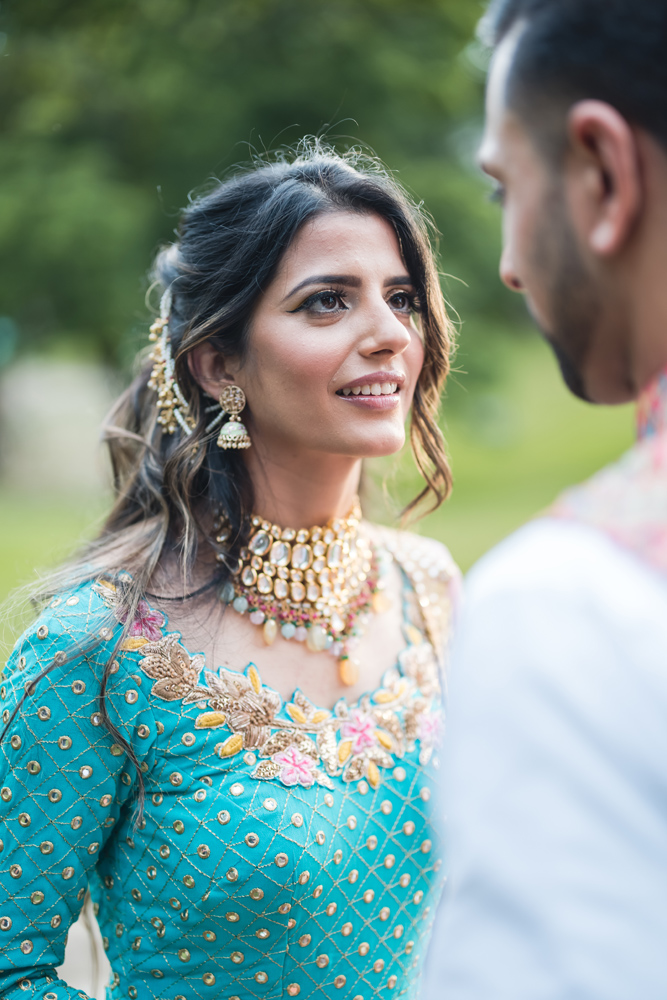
(231, 746)
(134, 642)
(295, 713)
(210, 720)
(267, 769)
(344, 750)
(373, 774)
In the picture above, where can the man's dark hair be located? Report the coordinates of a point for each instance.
(571, 50)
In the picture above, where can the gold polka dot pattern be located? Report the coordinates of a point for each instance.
(324, 886)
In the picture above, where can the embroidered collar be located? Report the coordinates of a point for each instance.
(628, 500)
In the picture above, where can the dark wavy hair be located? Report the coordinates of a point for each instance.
(230, 243)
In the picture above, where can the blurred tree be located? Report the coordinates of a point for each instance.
(110, 113)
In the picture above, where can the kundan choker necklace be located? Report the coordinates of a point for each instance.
(317, 585)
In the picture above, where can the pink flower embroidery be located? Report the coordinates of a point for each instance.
(428, 728)
(360, 728)
(147, 623)
(297, 769)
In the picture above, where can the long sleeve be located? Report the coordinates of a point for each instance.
(556, 778)
(64, 784)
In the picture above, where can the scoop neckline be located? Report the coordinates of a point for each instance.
(368, 695)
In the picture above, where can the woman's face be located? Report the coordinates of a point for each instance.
(334, 353)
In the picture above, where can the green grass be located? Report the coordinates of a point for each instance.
(512, 451)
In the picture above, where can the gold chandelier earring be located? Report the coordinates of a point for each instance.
(233, 434)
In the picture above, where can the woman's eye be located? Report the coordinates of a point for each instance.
(323, 302)
(404, 302)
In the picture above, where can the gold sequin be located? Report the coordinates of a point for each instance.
(64, 742)
(391, 982)
(236, 789)
(24, 819)
(372, 842)
(320, 837)
(16, 742)
(116, 750)
(331, 909)
(232, 917)
(399, 774)
(55, 795)
(284, 908)
(179, 825)
(262, 933)
(317, 891)
(209, 979)
(418, 896)
(46, 847)
(409, 828)
(143, 732)
(26, 946)
(352, 822)
(304, 877)
(293, 990)
(189, 881)
(250, 758)
(398, 931)
(5, 923)
(305, 940)
(322, 961)
(257, 894)
(270, 804)
(346, 930)
(175, 903)
(184, 954)
(425, 846)
(223, 817)
(353, 876)
(297, 819)
(261, 977)
(404, 881)
(204, 851)
(338, 857)
(94, 847)
(68, 872)
(291, 923)
(281, 860)
(362, 788)
(78, 687)
(6, 794)
(209, 936)
(386, 807)
(409, 946)
(425, 794)
(132, 696)
(151, 871)
(56, 921)
(136, 894)
(378, 965)
(369, 895)
(389, 861)
(176, 778)
(339, 982)
(188, 739)
(43, 713)
(328, 799)
(77, 822)
(232, 874)
(251, 839)
(85, 771)
(42, 633)
(385, 913)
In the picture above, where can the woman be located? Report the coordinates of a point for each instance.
(224, 718)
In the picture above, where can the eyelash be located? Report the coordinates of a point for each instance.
(339, 294)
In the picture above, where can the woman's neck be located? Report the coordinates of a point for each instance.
(302, 491)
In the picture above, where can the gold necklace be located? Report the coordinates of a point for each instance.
(317, 585)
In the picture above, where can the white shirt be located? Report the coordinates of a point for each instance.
(555, 777)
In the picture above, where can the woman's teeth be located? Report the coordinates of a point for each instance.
(376, 389)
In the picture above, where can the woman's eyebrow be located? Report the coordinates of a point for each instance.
(402, 279)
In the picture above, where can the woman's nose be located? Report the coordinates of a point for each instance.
(385, 331)
(508, 273)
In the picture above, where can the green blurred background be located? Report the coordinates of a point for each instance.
(112, 111)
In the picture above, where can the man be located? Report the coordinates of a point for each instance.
(556, 784)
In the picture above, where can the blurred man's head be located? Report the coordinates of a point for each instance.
(576, 138)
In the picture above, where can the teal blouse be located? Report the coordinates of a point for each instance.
(284, 849)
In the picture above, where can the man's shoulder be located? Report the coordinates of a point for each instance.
(567, 561)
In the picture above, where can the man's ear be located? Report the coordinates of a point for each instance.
(210, 369)
(605, 155)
